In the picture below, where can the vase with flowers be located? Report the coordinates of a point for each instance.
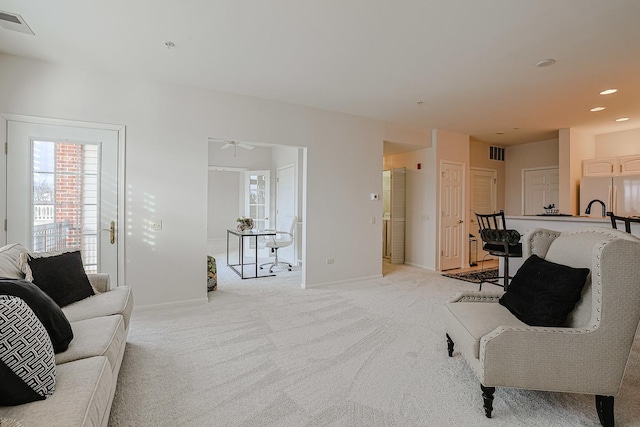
(244, 224)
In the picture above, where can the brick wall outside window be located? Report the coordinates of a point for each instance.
(68, 191)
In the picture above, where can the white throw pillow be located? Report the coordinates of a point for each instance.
(9, 261)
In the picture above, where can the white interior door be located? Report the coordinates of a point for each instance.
(286, 206)
(452, 219)
(541, 188)
(483, 200)
(62, 191)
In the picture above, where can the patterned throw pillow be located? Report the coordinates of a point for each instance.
(27, 361)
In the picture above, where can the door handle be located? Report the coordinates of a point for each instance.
(460, 221)
(112, 232)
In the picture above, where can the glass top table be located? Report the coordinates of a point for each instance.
(239, 267)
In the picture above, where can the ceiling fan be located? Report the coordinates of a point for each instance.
(235, 144)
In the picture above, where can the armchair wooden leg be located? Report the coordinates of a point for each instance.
(487, 397)
(449, 346)
(604, 407)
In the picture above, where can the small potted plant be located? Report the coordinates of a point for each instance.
(244, 223)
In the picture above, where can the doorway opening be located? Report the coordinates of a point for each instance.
(483, 195)
(265, 184)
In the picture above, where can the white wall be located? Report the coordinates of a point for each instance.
(518, 157)
(166, 160)
(574, 145)
(223, 202)
(617, 144)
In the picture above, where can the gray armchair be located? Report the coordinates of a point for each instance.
(589, 354)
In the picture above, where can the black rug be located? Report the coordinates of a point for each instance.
(477, 276)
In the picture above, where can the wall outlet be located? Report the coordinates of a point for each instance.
(329, 260)
(156, 224)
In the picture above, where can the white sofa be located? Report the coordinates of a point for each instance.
(87, 372)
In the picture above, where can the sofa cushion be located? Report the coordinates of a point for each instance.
(48, 312)
(543, 293)
(9, 258)
(27, 365)
(467, 322)
(82, 397)
(116, 301)
(61, 276)
(100, 336)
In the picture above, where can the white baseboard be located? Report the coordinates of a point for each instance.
(422, 267)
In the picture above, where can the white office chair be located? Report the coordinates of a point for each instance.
(281, 240)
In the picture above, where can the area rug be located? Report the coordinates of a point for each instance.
(477, 276)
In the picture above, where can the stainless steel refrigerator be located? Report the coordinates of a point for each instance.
(620, 194)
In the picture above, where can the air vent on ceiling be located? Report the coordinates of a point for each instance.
(14, 22)
(496, 153)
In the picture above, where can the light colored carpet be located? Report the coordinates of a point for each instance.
(266, 353)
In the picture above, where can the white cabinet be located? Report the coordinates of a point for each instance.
(612, 166)
(600, 167)
(629, 165)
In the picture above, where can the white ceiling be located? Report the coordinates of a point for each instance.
(472, 63)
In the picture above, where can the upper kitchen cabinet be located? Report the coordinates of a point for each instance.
(600, 167)
(629, 165)
(612, 166)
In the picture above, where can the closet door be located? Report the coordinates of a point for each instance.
(541, 188)
(398, 214)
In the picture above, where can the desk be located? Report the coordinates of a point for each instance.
(241, 238)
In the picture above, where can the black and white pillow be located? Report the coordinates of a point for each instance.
(27, 361)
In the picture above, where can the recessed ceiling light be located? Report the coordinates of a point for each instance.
(608, 91)
(169, 44)
(594, 109)
(622, 119)
(546, 62)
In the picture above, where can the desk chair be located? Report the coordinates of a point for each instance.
(627, 221)
(281, 240)
(498, 241)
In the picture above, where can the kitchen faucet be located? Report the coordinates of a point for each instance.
(604, 207)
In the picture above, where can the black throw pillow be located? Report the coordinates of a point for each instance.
(543, 293)
(47, 311)
(62, 277)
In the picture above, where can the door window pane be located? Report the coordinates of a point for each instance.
(65, 198)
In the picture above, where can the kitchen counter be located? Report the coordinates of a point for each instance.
(584, 221)
(524, 223)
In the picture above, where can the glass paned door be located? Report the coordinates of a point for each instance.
(257, 197)
(65, 198)
(62, 190)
